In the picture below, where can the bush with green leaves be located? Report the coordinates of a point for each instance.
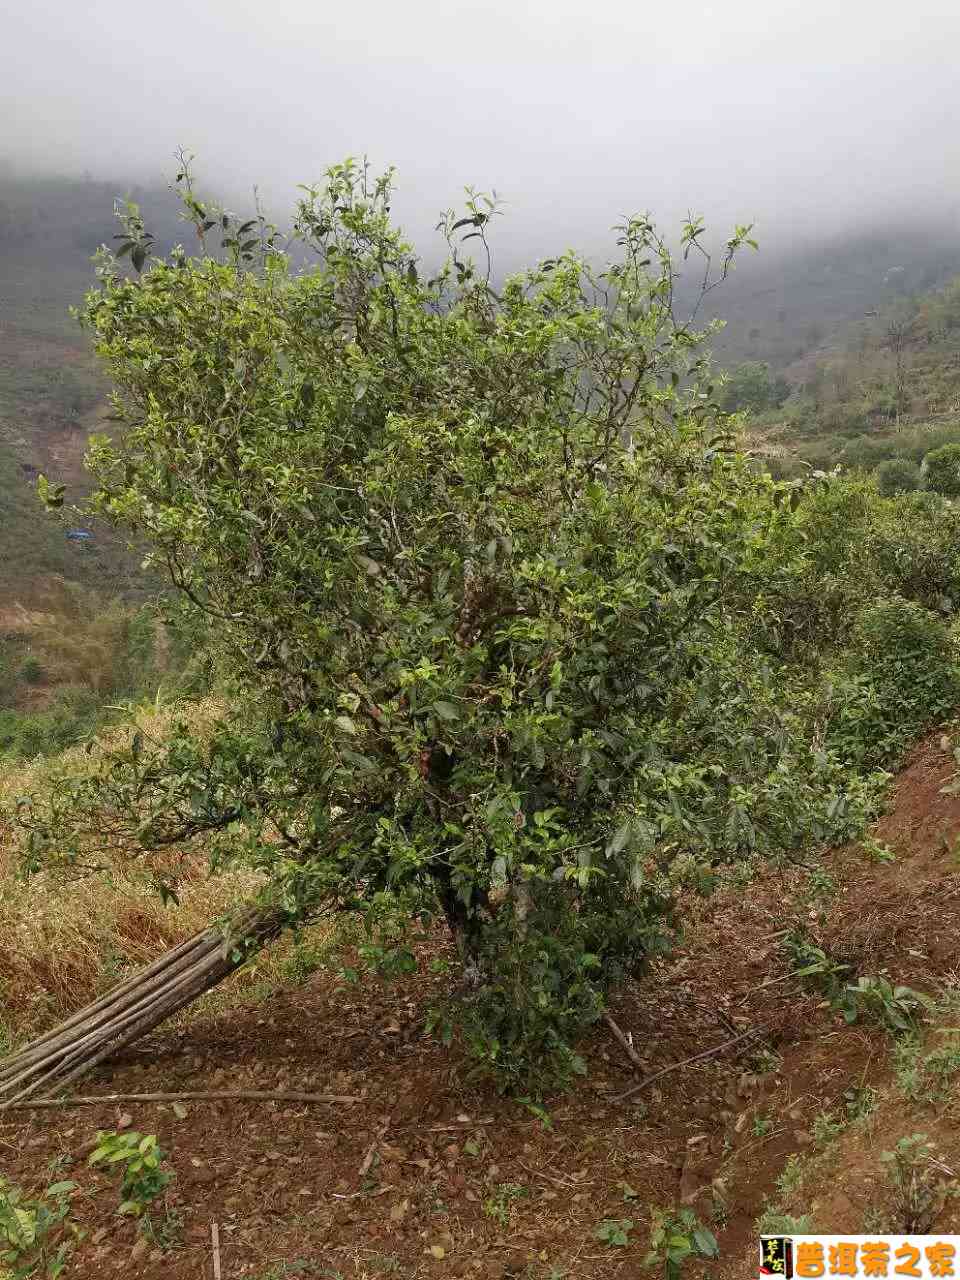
(69, 717)
(897, 1008)
(615, 1231)
(752, 386)
(898, 475)
(899, 674)
(140, 1159)
(515, 635)
(911, 547)
(499, 1204)
(928, 1077)
(773, 1222)
(812, 963)
(856, 548)
(941, 469)
(677, 1235)
(36, 1232)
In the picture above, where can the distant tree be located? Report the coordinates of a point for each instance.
(898, 475)
(941, 468)
(752, 386)
(898, 331)
(940, 313)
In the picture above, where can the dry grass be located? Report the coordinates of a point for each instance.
(76, 638)
(63, 944)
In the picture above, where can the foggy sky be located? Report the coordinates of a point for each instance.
(808, 115)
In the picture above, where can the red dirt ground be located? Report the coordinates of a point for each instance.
(406, 1181)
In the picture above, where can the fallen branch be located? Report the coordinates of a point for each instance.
(686, 1062)
(565, 1184)
(248, 1095)
(624, 1040)
(367, 1162)
(770, 982)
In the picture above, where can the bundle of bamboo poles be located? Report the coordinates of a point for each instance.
(133, 1008)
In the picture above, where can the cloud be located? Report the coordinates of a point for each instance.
(808, 117)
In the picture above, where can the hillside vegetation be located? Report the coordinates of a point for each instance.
(74, 635)
(51, 393)
(887, 389)
(780, 307)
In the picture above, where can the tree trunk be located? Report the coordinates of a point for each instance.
(134, 1007)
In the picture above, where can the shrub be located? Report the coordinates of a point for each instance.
(71, 716)
(456, 578)
(911, 546)
(900, 673)
(919, 1181)
(675, 1236)
(898, 1008)
(32, 671)
(36, 1233)
(941, 468)
(752, 386)
(143, 1179)
(898, 476)
(858, 547)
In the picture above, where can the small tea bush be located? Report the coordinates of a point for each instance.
(36, 1234)
(141, 1159)
(941, 468)
(919, 1181)
(897, 1008)
(675, 1237)
(32, 671)
(900, 674)
(898, 475)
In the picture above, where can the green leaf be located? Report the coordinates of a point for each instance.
(615, 1231)
(446, 710)
(61, 1188)
(620, 838)
(361, 762)
(706, 1242)
(50, 496)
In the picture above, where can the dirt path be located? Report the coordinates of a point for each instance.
(427, 1175)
